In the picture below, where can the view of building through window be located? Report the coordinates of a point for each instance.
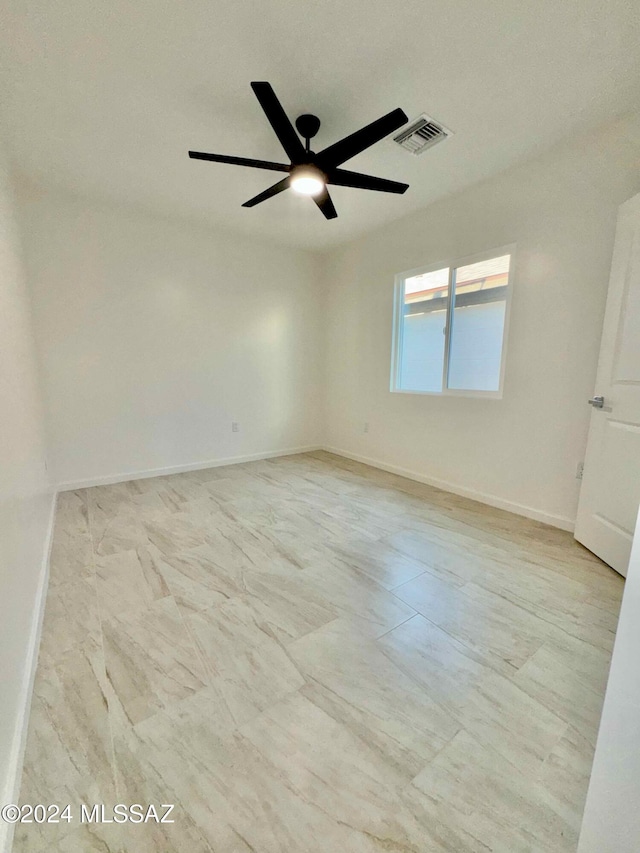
(451, 328)
(423, 335)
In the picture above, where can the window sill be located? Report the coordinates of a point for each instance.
(477, 395)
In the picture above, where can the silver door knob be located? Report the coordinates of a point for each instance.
(596, 402)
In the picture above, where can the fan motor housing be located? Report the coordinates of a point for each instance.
(307, 125)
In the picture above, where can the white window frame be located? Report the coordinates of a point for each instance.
(398, 313)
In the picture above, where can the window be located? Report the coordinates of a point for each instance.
(450, 326)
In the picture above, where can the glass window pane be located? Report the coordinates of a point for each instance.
(480, 301)
(423, 323)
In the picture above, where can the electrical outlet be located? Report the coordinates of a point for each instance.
(235, 427)
(580, 470)
(366, 427)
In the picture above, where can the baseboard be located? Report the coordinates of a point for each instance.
(492, 500)
(16, 760)
(562, 522)
(180, 469)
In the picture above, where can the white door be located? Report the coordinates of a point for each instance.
(610, 491)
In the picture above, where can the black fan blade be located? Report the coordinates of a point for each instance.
(263, 196)
(323, 200)
(239, 161)
(367, 136)
(345, 178)
(278, 120)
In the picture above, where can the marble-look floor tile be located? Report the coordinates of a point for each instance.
(564, 777)
(69, 753)
(305, 654)
(171, 534)
(173, 757)
(129, 581)
(497, 631)
(569, 677)
(379, 561)
(469, 785)
(228, 798)
(521, 730)
(489, 705)
(362, 515)
(92, 839)
(198, 579)
(358, 598)
(350, 678)
(454, 562)
(286, 605)
(237, 544)
(434, 660)
(566, 602)
(70, 619)
(80, 838)
(177, 492)
(329, 767)
(151, 661)
(241, 792)
(245, 663)
(71, 546)
(120, 525)
(303, 529)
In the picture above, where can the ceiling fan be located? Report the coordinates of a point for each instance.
(310, 173)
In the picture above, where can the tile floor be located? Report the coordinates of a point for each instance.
(306, 654)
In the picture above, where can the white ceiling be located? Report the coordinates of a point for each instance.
(106, 98)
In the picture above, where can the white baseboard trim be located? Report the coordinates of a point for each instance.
(16, 759)
(560, 521)
(107, 480)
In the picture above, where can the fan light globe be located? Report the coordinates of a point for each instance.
(307, 181)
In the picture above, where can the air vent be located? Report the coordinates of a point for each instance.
(421, 134)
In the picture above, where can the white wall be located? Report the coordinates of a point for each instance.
(522, 451)
(155, 335)
(25, 499)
